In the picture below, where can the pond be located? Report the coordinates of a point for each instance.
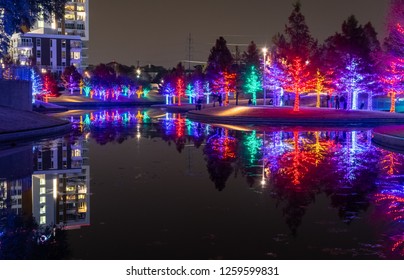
(140, 183)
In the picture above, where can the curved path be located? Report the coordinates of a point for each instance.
(390, 137)
(18, 125)
(307, 116)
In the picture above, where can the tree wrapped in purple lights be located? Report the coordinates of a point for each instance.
(71, 78)
(352, 81)
(274, 75)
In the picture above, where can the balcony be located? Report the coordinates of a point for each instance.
(24, 45)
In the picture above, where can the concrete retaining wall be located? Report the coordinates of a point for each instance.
(16, 94)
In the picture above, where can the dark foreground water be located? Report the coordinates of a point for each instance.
(143, 184)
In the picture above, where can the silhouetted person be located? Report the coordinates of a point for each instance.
(220, 100)
(337, 102)
(362, 105)
(342, 101)
(249, 102)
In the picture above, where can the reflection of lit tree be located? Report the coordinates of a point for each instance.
(354, 180)
(390, 163)
(220, 154)
(248, 158)
(393, 200)
(320, 148)
(296, 163)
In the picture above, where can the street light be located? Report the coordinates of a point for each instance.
(264, 51)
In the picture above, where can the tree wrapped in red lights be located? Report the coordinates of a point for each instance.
(179, 89)
(295, 48)
(50, 86)
(297, 79)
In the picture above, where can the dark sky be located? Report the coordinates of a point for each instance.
(157, 31)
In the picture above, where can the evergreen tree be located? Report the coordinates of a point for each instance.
(220, 60)
(394, 43)
(297, 41)
(251, 56)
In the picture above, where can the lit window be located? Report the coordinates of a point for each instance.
(42, 199)
(42, 210)
(42, 190)
(42, 220)
(42, 182)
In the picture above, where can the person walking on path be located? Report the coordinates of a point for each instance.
(337, 102)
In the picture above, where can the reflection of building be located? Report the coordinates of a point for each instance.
(60, 183)
(15, 180)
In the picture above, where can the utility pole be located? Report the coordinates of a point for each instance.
(189, 53)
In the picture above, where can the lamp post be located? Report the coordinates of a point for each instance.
(264, 51)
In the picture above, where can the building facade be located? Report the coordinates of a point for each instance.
(76, 22)
(47, 51)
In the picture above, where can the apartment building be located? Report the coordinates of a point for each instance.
(47, 51)
(76, 22)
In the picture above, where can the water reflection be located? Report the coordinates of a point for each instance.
(293, 169)
(44, 190)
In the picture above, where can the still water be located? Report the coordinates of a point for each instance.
(145, 184)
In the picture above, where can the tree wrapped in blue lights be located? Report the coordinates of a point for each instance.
(37, 85)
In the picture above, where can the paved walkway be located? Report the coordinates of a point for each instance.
(286, 116)
(17, 124)
(390, 137)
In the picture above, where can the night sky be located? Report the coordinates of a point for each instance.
(157, 32)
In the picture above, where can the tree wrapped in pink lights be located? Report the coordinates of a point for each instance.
(394, 56)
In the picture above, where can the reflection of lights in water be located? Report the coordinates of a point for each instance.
(138, 135)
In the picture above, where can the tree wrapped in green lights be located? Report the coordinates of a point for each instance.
(253, 83)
